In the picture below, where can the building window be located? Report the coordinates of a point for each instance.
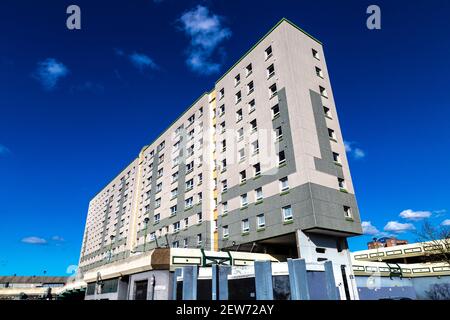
(152, 236)
(348, 212)
(186, 223)
(158, 203)
(190, 167)
(255, 147)
(331, 134)
(259, 194)
(225, 232)
(336, 157)
(257, 169)
(173, 210)
(199, 217)
(238, 97)
(341, 183)
(275, 111)
(281, 158)
(176, 226)
(161, 158)
(224, 165)
(319, 72)
(225, 207)
(244, 200)
(239, 115)
(191, 119)
(240, 134)
(189, 202)
(161, 146)
(175, 244)
(200, 197)
(323, 92)
(189, 184)
(245, 226)
(156, 218)
(254, 125)
(200, 178)
(237, 79)
(200, 111)
(185, 242)
(250, 87)
(273, 90)
(270, 71)
(224, 185)
(315, 54)
(175, 176)
(260, 221)
(251, 106)
(224, 145)
(222, 127)
(199, 239)
(287, 213)
(242, 176)
(221, 93)
(221, 110)
(284, 184)
(241, 155)
(327, 111)
(268, 52)
(248, 70)
(278, 133)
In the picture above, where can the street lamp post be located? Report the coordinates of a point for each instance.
(146, 227)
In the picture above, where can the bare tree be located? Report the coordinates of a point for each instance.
(438, 238)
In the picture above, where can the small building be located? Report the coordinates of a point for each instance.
(29, 287)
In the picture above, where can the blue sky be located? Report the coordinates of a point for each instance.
(77, 106)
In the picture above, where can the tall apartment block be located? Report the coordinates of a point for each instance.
(257, 164)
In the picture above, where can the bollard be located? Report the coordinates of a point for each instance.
(263, 280)
(298, 279)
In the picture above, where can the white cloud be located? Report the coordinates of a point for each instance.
(140, 61)
(4, 150)
(206, 32)
(49, 72)
(397, 227)
(369, 229)
(58, 238)
(446, 222)
(356, 153)
(414, 215)
(34, 240)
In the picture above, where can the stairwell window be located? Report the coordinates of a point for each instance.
(245, 226)
(257, 169)
(327, 112)
(287, 213)
(239, 115)
(221, 110)
(240, 134)
(270, 71)
(242, 176)
(281, 158)
(186, 223)
(222, 127)
(275, 111)
(250, 87)
(237, 79)
(224, 165)
(199, 239)
(336, 157)
(224, 207)
(199, 217)
(341, 183)
(348, 212)
(238, 97)
(319, 72)
(255, 147)
(331, 134)
(248, 70)
(221, 93)
(315, 54)
(224, 185)
(323, 92)
(273, 90)
(268, 52)
(258, 194)
(278, 133)
(241, 155)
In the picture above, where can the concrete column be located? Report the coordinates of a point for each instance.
(263, 280)
(176, 274)
(190, 274)
(224, 271)
(298, 279)
(330, 282)
(214, 282)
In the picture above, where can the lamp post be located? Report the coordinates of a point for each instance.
(146, 227)
(110, 247)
